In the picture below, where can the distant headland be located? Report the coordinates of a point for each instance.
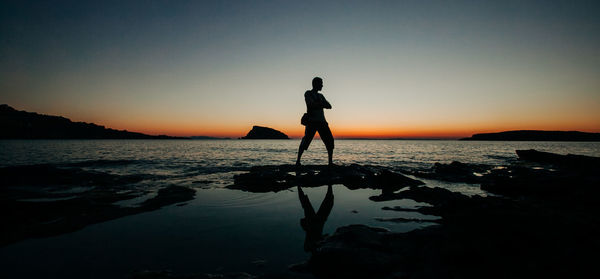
(15, 124)
(533, 135)
(259, 132)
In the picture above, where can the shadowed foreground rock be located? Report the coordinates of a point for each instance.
(45, 200)
(549, 231)
(454, 172)
(565, 161)
(547, 175)
(536, 174)
(164, 274)
(479, 237)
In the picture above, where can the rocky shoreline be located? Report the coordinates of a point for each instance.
(538, 220)
(541, 222)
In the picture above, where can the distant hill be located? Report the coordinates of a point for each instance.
(532, 135)
(259, 132)
(15, 124)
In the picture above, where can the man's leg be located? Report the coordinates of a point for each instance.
(309, 133)
(327, 138)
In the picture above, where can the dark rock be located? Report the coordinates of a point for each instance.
(532, 135)
(455, 172)
(36, 201)
(548, 231)
(512, 238)
(563, 161)
(408, 220)
(282, 177)
(390, 181)
(524, 181)
(562, 175)
(295, 271)
(355, 251)
(259, 132)
(167, 274)
(400, 208)
(554, 175)
(434, 196)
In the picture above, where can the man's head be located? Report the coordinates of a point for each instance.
(317, 83)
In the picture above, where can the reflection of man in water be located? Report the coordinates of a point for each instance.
(315, 103)
(313, 223)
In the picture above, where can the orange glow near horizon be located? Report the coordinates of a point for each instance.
(431, 132)
(185, 126)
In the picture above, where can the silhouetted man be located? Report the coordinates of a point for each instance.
(313, 223)
(315, 103)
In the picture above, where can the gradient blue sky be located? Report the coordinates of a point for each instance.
(390, 68)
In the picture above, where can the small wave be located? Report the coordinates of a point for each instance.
(101, 163)
(502, 158)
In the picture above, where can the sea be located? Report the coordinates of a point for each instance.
(223, 230)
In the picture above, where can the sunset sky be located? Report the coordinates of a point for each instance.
(390, 68)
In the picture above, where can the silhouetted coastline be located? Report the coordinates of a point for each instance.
(533, 135)
(15, 124)
(384, 139)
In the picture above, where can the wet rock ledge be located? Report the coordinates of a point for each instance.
(281, 177)
(48, 200)
(540, 221)
(543, 223)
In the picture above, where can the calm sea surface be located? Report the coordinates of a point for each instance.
(223, 230)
